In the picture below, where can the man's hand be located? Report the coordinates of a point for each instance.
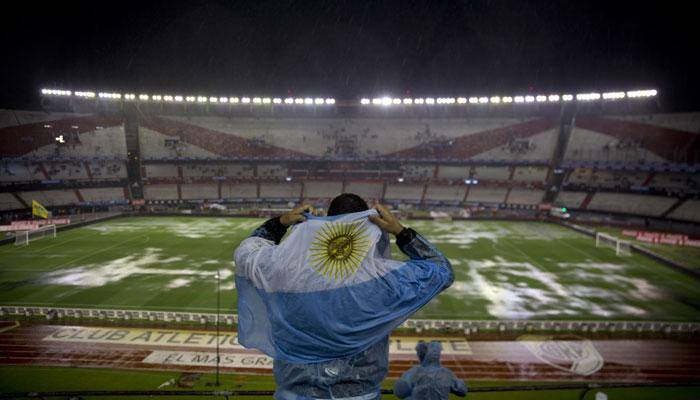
(386, 221)
(295, 216)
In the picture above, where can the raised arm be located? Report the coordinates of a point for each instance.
(415, 246)
(253, 253)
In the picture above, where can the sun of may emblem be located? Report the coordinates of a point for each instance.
(338, 249)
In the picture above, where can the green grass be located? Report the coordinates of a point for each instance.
(503, 270)
(683, 255)
(31, 378)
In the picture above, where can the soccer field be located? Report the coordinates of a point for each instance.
(504, 270)
(687, 256)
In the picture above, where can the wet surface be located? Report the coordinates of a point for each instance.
(529, 357)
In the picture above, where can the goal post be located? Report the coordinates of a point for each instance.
(621, 247)
(23, 238)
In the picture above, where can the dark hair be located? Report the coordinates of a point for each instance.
(347, 203)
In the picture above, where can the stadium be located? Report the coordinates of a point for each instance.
(571, 220)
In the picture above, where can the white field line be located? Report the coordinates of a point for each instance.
(100, 251)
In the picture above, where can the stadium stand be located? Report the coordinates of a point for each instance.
(50, 197)
(366, 190)
(204, 170)
(479, 194)
(161, 170)
(107, 169)
(492, 173)
(514, 135)
(453, 172)
(21, 172)
(243, 159)
(534, 148)
(155, 145)
(403, 192)
(240, 170)
(446, 193)
(9, 202)
(322, 189)
(675, 181)
(66, 171)
(102, 194)
(199, 191)
(13, 118)
(418, 171)
(339, 137)
(683, 122)
(581, 175)
(35, 134)
(239, 191)
(271, 170)
(593, 146)
(27, 171)
(160, 192)
(530, 174)
(521, 196)
(689, 211)
(631, 203)
(280, 190)
(607, 179)
(649, 138)
(571, 199)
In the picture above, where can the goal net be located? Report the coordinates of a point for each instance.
(24, 237)
(621, 247)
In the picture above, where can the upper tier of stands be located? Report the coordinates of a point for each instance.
(475, 138)
(629, 139)
(33, 134)
(636, 139)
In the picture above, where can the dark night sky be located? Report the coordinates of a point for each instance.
(349, 49)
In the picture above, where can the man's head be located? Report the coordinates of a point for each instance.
(347, 203)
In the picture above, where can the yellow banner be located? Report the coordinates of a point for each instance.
(39, 210)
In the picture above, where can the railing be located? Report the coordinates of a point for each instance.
(585, 388)
(418, 325)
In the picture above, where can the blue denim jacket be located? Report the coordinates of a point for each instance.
(357, 377)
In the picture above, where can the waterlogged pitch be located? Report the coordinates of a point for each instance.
(504, 270)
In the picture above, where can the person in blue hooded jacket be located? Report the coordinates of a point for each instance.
(323, 302)
(429, 380)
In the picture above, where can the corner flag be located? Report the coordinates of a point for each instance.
(39, 210)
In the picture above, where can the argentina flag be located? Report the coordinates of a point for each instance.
(328, 290)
